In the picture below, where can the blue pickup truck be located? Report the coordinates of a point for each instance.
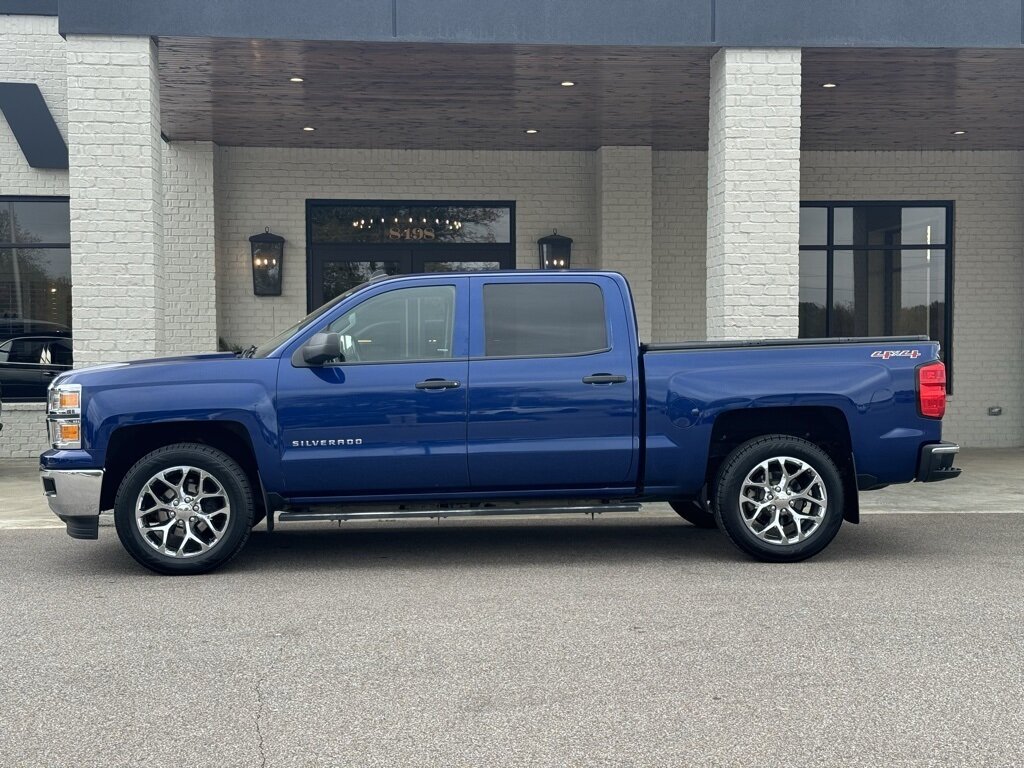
(490, 393)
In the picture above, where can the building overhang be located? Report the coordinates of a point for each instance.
(388, 95)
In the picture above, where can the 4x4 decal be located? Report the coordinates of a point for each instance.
(885, 354)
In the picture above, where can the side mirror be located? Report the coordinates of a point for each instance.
(322, 348)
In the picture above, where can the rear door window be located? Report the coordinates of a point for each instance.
(540, 319)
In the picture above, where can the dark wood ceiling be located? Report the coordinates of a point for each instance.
(913, 99)
(400, 95)
(415, 96)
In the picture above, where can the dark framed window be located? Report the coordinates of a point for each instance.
(542, 319)
(877, 269)
(35, 265)
(348, 240)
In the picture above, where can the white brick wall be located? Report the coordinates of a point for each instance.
(258, 188)
(988, 325)
(116, 198)
(31, 51)
(189, 265)
(624, 222)
(753, 193)
(679, 243)
(24, 432)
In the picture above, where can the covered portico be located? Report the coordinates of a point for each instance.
(682, 167)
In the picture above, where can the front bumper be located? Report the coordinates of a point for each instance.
(936, 462)
(74, 496)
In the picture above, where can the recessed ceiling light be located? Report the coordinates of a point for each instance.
(296, 79)
(530, 130)
(828, 85)
(959, 133)
(309, 128)
(568, 83)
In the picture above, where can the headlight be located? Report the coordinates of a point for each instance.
(64, 415)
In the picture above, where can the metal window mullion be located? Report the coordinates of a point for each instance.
(829, 269)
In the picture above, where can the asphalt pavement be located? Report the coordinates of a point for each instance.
(545, 642)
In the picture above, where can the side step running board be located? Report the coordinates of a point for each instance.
(386, 514)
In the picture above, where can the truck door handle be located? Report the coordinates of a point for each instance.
(604, 378)
(437, 384)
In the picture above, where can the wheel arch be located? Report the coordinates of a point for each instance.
(130, 443)
(825, 426)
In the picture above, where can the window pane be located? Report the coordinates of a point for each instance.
(842, 226)
(543, 319)
(813, 286)
(35, 287)
(46, 221)
(868, 225)
(340, 276)
(924, 226)
(5, 222)
(813, 226)
(404, 324)
(459, 266)
(860, 288)
(414, 223)
(919, 293)
(889, 225)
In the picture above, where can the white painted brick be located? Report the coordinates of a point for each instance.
(624, 212)
(31, 51)
(116, 197)
(753, 185)
(24, 433)
(189, 254)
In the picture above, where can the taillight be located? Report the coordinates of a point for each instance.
(931, 390)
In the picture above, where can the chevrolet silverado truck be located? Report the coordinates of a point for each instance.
(487, 394)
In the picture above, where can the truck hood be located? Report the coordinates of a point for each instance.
(159, 368)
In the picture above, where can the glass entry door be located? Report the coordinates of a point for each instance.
(349, 241)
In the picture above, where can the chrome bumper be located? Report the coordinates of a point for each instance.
(73, 492)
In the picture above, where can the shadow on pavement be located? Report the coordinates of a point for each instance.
(294, 548)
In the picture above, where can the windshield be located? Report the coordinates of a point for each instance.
(267, 347)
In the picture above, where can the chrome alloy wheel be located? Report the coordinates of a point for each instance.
(783, 500)
(182, 511)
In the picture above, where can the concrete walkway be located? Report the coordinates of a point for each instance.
(993, 481)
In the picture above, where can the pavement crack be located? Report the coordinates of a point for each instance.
(260, 743)
(261, 709)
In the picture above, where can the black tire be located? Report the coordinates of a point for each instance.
(695, 513)
(236, 522)
(730, 480)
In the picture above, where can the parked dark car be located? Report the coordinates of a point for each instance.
(31, 354)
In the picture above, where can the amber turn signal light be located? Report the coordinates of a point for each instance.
(70, 400)
(70, 432)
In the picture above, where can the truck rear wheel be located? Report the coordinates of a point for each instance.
(695, 513)
(779, 498)
(184, 509)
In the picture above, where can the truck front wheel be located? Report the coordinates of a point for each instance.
(779, 498)
(184, 509)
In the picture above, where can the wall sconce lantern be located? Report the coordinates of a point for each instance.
(267, 261)
(555, 251)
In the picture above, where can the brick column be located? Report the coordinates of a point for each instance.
(115, 178)
(190, 324)
(753, 194)
(624, 222)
